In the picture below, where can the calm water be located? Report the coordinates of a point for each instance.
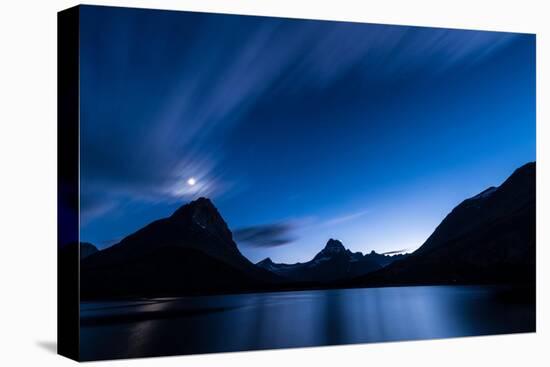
(184, 325)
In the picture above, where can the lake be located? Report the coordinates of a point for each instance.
(185, 325)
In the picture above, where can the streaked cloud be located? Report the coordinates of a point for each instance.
(160, 91)
(345, 218)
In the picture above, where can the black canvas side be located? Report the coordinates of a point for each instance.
(67, 183)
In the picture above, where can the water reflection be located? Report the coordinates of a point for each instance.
(295, 319)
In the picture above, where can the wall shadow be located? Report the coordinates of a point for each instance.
(50, 346)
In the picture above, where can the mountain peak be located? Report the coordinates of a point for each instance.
(523, 174)
(203, 215)
(334, 245)
(266, 261)
(333, 248)
(201, 202)
(529, 166)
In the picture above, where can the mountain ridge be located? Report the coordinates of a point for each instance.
(489, 237)
(332, 263)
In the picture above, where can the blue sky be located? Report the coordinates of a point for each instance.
(298, 130)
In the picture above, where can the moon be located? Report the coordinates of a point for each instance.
(191, 181)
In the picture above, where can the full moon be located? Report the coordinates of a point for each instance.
(191, 181)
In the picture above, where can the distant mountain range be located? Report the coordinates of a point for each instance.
(489, 238)
(332, 263)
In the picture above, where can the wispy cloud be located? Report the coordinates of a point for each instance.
(345, 218)
(160, 91)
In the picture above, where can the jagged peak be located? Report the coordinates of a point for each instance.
(202, 214)
(200, 205)
(333, 247)
(201, 202)
(333, 244)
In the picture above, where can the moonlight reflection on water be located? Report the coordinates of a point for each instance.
(224, 323)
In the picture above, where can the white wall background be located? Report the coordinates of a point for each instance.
(28, 182)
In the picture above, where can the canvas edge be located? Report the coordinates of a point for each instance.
(68, 328)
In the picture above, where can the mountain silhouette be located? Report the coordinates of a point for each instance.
(82, 250)
(192, 251)
(488, 238)
(87, 249)
(334, 262)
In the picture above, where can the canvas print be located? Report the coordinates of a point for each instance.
(236, 183)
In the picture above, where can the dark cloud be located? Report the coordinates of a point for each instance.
(269, 235)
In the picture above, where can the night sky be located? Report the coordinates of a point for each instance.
(298, 130)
